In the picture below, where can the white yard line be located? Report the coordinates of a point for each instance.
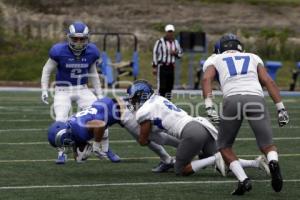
(129, 158)
(133, 141)
(26, 120)
(44, 129)
(133, 184)
(22, 130)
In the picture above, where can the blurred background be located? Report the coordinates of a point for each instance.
(28, 28)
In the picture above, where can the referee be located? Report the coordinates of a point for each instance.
(166, 50)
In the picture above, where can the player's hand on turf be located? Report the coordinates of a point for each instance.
(212, 115)
(44, 97)
(283, 117)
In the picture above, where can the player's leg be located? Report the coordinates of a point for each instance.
(85, 99)
(259, 120)
(163, 138)
(260, 163)
(208, 144)
(166, 162)
(231, 120)
(62, 105)
(193, 138)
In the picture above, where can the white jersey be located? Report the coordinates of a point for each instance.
(237, 72)
(165, 116)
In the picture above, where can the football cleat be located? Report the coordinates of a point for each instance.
(163, 167)
(61, 159)
(276, 175)
(220, 164)
(244, 186)
(263, 165)
(112, 156)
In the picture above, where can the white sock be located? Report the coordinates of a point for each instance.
(105, 141)
(249, 163)
(238, 171)
(199, 164)
(61, 151)
(272, 155)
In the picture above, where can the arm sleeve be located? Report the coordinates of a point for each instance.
(47, 70)
(209, 61)
(94, 77)
(143, 114)
(258, 60)
(155, 53)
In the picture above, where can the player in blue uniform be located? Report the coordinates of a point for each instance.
(75, 62)
(86, 125)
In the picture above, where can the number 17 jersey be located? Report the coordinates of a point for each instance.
(237, 72)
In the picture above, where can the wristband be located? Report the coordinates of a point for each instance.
(279, 106)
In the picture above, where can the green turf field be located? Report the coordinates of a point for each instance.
(27, 169)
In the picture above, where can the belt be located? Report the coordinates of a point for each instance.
(68, 88)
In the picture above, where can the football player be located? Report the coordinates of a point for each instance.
(156, 114)
(75, 62)
(91, 123)
(241, 76)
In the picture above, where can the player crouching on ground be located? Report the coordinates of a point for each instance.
(91, 123)
(84, 126)
(155, 113)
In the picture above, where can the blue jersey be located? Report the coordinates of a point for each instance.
(105, 109)
(73, 69)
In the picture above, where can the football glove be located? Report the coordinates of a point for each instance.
(212, 115)
(283, 117)
(82, 156)
(44, 97)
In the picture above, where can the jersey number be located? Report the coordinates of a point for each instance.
(92, 111)
(75, 73)
(231, 64)
(171, 106)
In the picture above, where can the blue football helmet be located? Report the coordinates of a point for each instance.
(138, 93)
(59, 135)
(230, 42)
(78, 37)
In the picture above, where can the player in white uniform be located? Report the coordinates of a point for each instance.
(241, 76)
(156, 113)
(75, 62)
(159, 137)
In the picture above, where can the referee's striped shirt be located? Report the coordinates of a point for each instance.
(162, 52)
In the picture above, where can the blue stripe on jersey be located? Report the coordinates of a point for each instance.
(157, 122)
